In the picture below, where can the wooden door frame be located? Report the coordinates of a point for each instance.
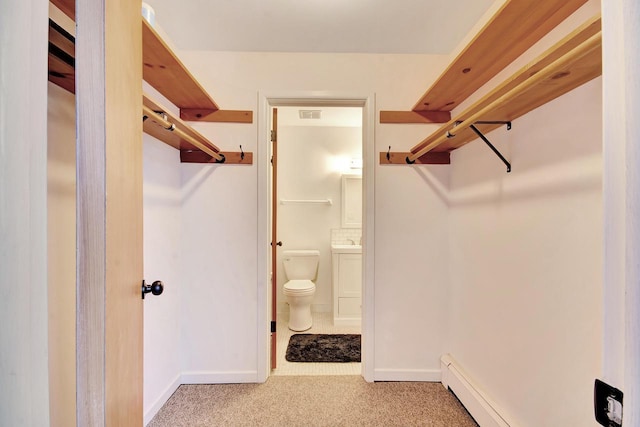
(274, 234)
(266, 102)
(109, 212)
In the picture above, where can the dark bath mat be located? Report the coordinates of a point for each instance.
(334, 348)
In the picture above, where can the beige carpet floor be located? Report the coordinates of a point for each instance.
(314, 401)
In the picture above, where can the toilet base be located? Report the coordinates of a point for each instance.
(300, 317)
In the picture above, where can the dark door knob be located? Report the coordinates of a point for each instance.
(277, 244)
(155, 288)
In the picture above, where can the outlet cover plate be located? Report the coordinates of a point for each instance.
(607, 402)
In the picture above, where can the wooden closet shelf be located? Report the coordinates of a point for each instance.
(415, 116)
(68, 7)
(61, 58)
(167, 74)
(188, 151)
(561, 79)
(433, 158)
(515, 27)
(573, 61)
(163, 70)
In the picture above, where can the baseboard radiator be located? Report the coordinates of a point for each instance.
(479, 406)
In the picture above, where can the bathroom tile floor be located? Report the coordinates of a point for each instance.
(322, 324)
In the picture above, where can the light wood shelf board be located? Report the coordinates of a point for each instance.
(523, 21)
(68, 7)
(231, 157)
(218, 116)
(61, 39)
(61, 58)
(400, 158)
(566, 79)
(62, 74)
(169, 137)
(188, 152)
(163, 70)
(415, 116)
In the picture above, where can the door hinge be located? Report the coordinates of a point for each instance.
(273, 135)
(273, 326)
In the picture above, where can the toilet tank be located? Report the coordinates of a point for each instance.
(301, 264)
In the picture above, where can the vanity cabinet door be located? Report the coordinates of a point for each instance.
(350, 275)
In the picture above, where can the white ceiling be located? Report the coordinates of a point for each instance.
(347, 26)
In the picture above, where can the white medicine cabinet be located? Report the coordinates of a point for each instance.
(351, 201)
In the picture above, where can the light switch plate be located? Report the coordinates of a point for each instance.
(607, 402)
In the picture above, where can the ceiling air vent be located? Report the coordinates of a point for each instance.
(310, 114)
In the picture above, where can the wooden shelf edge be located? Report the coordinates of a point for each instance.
(169, 137)
(163, 70)
(188, 152)
(524, 21)
(565, 80)
(218, 116)
(61, 58)
(399, 158)
(231, 157)
(421, 117)
(68, 7)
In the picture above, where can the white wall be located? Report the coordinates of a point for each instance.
(308, 169)
(526, 262)
(61, 243)
(162, 261)
(526, 257)
(220, 328)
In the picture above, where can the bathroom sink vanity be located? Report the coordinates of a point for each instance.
(346, 265)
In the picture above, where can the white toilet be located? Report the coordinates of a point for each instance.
(301, 267)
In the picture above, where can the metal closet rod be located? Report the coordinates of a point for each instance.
(578, 52)
(160, 119)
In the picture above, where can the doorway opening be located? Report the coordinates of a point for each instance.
(313, 157)
(319, 150)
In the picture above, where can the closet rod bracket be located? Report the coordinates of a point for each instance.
(494, 149)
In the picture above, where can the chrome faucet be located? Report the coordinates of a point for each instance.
(352, 241)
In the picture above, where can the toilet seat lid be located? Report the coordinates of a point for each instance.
(299, 285)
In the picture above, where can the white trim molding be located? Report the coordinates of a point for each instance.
(482, 409)
(266, 101)
(212, 377)
(424, 375)
(162, 399)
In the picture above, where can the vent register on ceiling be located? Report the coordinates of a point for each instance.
(167, 74)
(573, 61)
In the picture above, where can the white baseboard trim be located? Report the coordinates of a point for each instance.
(160, 401)
(482, 409)
(208, 377)
(426, 375)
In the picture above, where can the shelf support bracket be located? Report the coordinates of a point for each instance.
(494, 149)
